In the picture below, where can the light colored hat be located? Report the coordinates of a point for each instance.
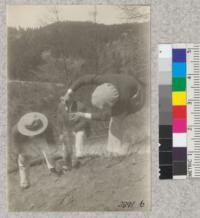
(32, 124)
(105, 94)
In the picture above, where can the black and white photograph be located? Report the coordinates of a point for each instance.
(78, 80)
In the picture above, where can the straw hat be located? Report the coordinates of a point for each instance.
(105, 94)
(32, 124)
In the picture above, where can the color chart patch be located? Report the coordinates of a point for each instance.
(165, 115)
(179, 111)
(179, 125)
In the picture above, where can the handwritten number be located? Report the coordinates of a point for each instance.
(142, 203)
(130, 204)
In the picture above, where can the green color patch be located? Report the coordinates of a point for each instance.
(179, 84)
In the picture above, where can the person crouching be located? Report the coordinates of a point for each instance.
(31, 137)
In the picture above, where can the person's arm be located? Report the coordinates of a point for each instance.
(89, 79)
(105, 115)
(136, 86)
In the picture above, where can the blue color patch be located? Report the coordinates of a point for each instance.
(178, 69)
(179, 55)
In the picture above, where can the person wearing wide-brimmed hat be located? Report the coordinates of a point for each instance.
(116, 95)
(31, 137)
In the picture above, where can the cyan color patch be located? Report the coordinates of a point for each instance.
(179, 69)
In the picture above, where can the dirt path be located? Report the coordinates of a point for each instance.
(100, 184)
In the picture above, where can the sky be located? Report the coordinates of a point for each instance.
(35, 16)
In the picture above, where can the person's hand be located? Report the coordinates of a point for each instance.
(67, 97)
(62, 99)
(76, 116)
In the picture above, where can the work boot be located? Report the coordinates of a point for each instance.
(65, 165)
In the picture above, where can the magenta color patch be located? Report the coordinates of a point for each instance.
(179, 125)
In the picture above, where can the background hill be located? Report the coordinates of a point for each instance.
(62, 51)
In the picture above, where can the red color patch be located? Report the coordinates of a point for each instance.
(179, 112)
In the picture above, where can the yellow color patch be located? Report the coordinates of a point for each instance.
(179, 98)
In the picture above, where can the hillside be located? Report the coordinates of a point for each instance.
(61, 52)
(100, 182)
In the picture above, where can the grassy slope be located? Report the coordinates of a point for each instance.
(101, 183)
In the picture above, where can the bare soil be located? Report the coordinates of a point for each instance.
(100, 184)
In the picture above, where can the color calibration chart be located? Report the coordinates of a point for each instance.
(179, 111)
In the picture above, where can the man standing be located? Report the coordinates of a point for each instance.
(31, 137)
(117, 96)
(72, 130)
